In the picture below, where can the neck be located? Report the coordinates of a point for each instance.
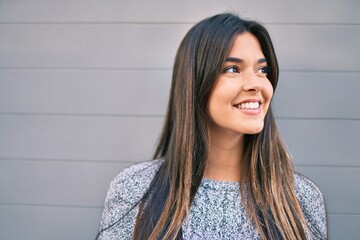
(225, 155)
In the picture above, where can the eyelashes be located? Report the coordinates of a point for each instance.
(264, 70)
(231, 69)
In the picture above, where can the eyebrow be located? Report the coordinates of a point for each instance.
(239, 60)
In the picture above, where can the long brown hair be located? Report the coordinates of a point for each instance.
(267, 169)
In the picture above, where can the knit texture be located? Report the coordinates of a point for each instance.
(216, 212)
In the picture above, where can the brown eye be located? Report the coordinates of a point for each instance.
(231, 69)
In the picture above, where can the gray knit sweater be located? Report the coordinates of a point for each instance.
(215, 213)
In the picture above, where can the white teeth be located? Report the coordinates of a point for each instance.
(248, 105)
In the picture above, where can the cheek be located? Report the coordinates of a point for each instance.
(219, 104)
(268, 92)
(224, 92)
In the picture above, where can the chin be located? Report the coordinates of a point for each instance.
(255, 130)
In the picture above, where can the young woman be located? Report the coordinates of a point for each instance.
(221, 169)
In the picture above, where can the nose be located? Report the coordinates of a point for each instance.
(251, 82)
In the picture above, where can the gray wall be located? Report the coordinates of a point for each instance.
(84, 86)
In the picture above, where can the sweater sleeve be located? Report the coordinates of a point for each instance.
(313, 206)
(121, 202)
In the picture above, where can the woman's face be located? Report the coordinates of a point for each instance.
(242, 93)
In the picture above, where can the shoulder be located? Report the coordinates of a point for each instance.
(126, 189)
(132, 182)
(305, 189)
(312, 204)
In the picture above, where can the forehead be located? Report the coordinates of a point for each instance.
(246, 44)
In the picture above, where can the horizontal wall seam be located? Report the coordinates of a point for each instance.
(326, 166)
(50, 205)
(164, 23)
(318, 118)
(82, 69)
(100, 207)
(105, 115)
(33, 114)
(114, 161)
(341, 213)
(151, 69)
(69, 160)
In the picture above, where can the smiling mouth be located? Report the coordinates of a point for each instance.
(248, 105)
